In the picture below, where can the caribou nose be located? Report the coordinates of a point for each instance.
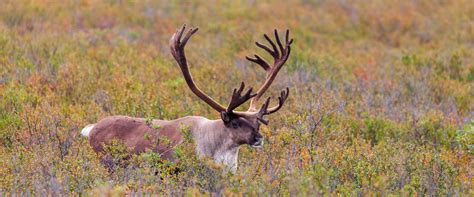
(258, 141)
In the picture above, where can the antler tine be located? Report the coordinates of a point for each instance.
(264, 47)
(239, 99)
(278, 41)
(275, 51)
(263, 111)
(188, 35)
(281, 100)
(259, 61)
(280, 56)
(180, 33)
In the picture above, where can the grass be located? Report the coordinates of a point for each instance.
(381, 95)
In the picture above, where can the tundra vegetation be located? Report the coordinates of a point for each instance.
(381, 95)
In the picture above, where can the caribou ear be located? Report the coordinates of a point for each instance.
(225, 117)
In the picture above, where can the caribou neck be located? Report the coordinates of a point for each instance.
(213, 140)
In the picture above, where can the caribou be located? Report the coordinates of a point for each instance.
(218, 139)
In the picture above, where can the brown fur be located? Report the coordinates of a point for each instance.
(136, 134)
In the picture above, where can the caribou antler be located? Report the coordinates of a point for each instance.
(280, 56)
(177, 50)
(239, 99)
(264, 110)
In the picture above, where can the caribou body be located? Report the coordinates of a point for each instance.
(219, 139)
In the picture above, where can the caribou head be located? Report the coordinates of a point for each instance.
(219, 139)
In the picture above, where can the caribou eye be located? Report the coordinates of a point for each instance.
(235, 124)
